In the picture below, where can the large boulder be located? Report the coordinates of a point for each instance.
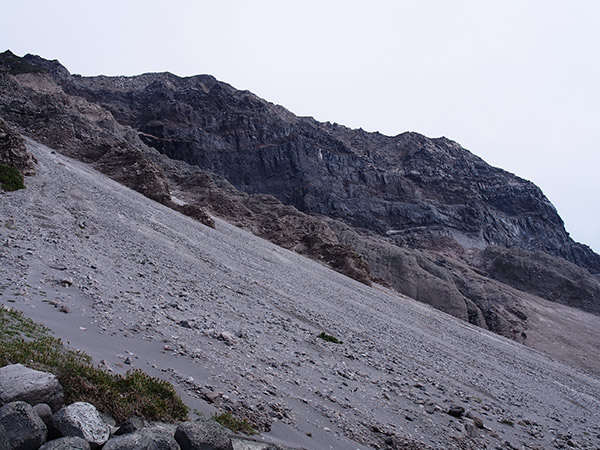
(163, 437)
(203, 434)
(131, 441)
(23, 429)
(154, 438)
(66, 443)
(18, 382)
(83, 420)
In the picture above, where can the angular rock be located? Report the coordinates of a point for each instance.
(131, 441)
(18, 382)
(83, 420)
(162, 437)
(203, 434)
(66, 443)
(456, 411)
(44, 412)
(131, 425)
(23, 429)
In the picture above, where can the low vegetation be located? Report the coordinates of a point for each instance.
(10, 178)
(329, 338)
(236, 425)
(136, 393)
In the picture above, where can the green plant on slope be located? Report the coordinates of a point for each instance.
(136, 393)
(329, 338)
(10, 178)
(236, 425)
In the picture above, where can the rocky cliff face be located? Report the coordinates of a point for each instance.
(431, 219)
(415, 190)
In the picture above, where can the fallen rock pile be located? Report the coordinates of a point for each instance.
(33, 416)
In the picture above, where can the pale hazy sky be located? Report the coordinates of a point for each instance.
(517, 82)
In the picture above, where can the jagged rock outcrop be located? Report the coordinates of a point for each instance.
(407, 187)
(23, 429)
(44, 104)
(541, 274)
(13, 152)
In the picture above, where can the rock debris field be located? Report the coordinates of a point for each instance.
(233, 322)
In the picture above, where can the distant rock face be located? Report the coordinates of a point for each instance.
(406, 187)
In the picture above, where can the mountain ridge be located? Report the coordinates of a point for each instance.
(354, 195)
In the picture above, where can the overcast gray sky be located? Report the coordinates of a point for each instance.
(517, 82)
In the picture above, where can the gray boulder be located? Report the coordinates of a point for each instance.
(23, 429)
(44, 412)
(131, 425)
(83, 420)
(18, 382)
(131, 441)
(203, 434)
(163, 437)
(155, 438)
(66, 443)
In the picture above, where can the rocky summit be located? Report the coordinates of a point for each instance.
(411, 216)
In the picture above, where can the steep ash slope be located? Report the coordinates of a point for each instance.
(428, 204)
(31, 97)
(224, 313)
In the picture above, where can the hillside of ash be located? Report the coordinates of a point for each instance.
(424, 216)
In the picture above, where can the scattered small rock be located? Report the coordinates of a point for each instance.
(456, 411)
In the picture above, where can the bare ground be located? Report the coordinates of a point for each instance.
(227, 316)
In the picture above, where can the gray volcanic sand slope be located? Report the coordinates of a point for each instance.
(223, 312)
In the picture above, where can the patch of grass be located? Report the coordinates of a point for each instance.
(236, 425)
(10, 178)
(329, 338)
(136, 393)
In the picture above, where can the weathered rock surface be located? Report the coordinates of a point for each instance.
(203, 434)
(13, 152)
(66, 443)
(162, 437)
(82, 419)
(538, 273)
(18, 382)
(23, 429)
(407, 186)
(131, 441)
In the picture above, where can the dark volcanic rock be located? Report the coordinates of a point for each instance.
(81, 419)
(24, 429)
(13, 152)
(66, 443)
(541, 274)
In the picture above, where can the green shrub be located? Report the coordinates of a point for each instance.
(236, 425)
(136, 393)
(329, 338)
(10, 178)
